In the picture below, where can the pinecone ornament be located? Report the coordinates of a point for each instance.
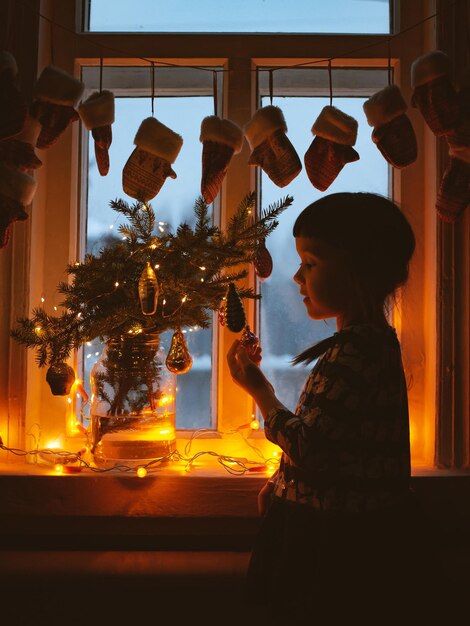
(148, 290)
(178, 359)
(262, 261)
(60, 378)
(235, 319)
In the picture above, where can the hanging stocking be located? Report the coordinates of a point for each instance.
(150, 163)
(56, 94)
(12, 102)
(454, 191)
(433, 92)
(97, 115)
(221, 139)
(17, 190)
(393, 133)
(270, 147)
(18, 151)
(335, 134)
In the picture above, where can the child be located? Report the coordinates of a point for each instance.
(339, 532)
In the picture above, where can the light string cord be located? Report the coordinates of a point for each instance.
(232, 464)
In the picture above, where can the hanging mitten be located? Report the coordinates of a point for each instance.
(221, 139)
(335, 134)
(433, 92)
(55, 94)
(454, 191)
(17, 190)
(150, 163)
(270, 147)
(97, 115)
(12, 102)
(393, 133)
(18, 151)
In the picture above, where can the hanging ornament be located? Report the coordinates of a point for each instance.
(178, 359)
(271, 149)
(97, 115)
(148, 290)
(149, 165)
(223, 311)
(60, 378)
(249, 340)
(234, 313)
(262, 261)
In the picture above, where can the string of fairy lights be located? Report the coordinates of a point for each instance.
(65, 462)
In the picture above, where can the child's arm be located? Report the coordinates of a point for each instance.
(249, 376)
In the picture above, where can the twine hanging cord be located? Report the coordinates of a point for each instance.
(125, 53)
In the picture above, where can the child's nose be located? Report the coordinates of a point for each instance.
(298, 277)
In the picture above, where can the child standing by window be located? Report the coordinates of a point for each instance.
(339, 532)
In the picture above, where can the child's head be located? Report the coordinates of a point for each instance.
(368, 245)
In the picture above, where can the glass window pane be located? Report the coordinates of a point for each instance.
(173, 205)
(285, 328)
(244, 16)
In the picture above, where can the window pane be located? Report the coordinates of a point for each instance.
(285, 328)
(244, 16)
(173, 204)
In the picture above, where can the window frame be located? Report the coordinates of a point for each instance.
(54, 236)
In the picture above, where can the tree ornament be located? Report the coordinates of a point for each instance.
(148, 290)
(249, 340)
(262, 261)
(60, 378)
(235, 319)
(223, 311)
(178, 360)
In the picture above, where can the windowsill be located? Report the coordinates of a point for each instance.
(203, 509)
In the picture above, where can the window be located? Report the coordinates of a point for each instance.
(58, 227)
(247, 16)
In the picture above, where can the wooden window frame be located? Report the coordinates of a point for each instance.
(41, 247)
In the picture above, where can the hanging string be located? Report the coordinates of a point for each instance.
(215, 90)
(271, 86)
(153, 85)
(206, 69)
(330, 79)
(101, 74)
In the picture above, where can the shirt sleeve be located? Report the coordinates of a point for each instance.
(336, 397)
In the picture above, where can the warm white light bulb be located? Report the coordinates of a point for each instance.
(141, 472)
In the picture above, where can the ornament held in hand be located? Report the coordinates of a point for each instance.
(148, 290)
(235, 319)
(249, 340)
(178, 359)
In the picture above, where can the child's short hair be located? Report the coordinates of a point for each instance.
(375, 236)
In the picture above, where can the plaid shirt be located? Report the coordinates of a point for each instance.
(346, 447)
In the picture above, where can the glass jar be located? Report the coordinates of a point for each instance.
(132, 409)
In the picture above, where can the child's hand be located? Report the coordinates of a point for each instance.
(244, 370)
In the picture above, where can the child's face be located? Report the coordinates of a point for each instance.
(322, 277)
